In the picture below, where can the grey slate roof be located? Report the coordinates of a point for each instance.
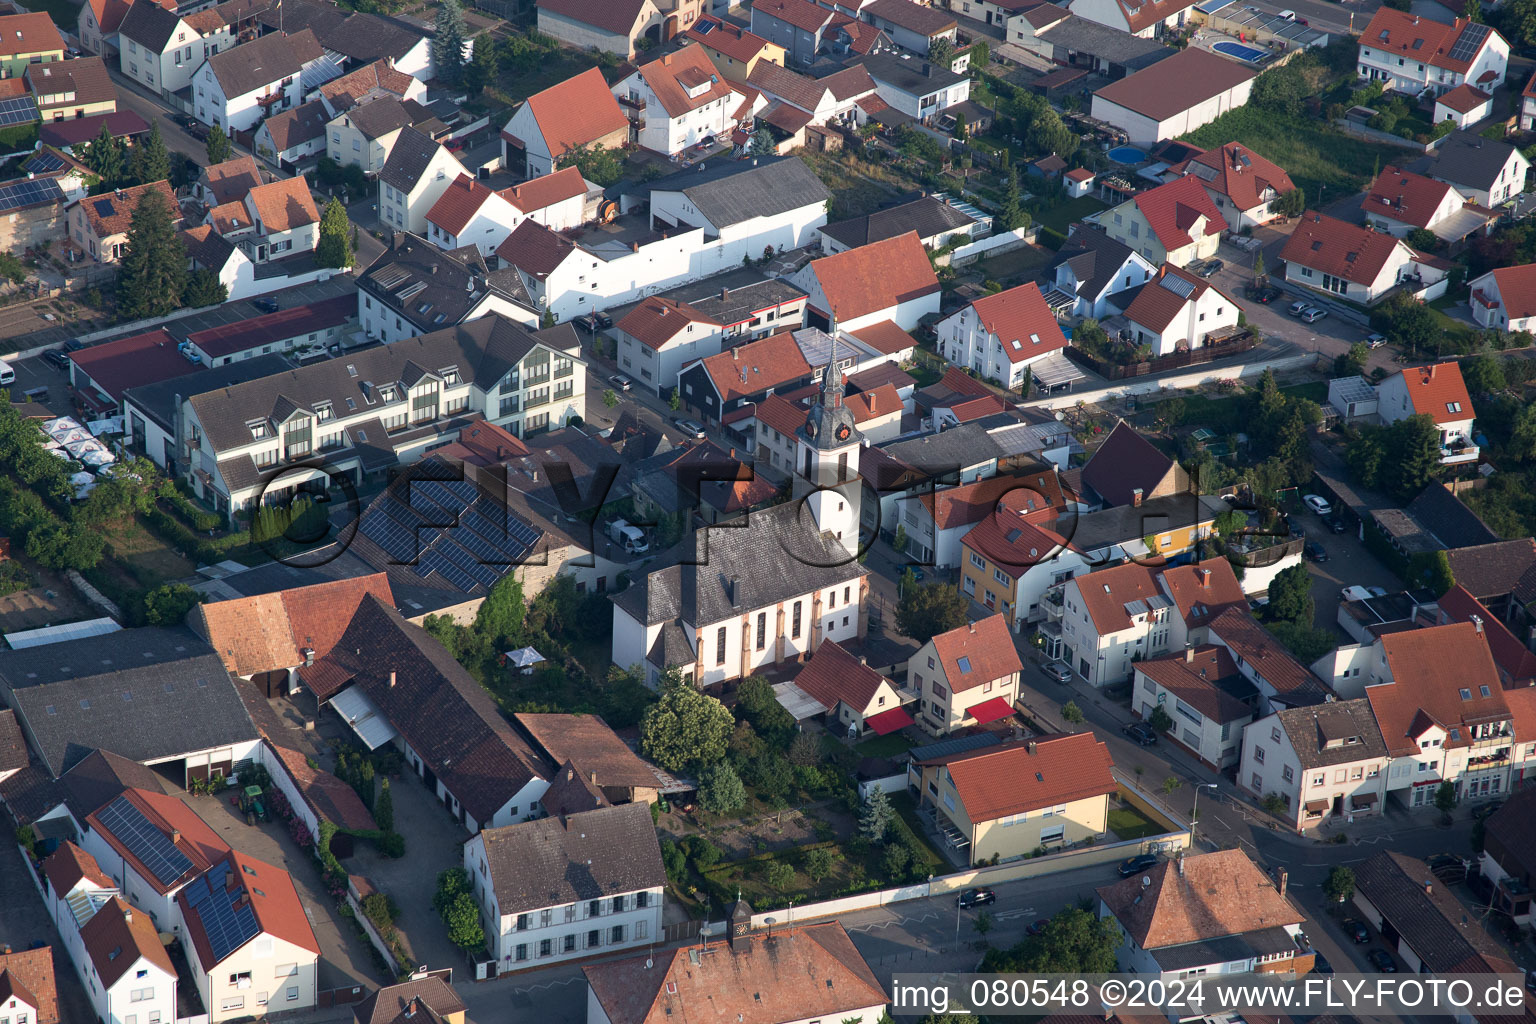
(408, 159)
(149, 25)
(442, 712)
(13, 745)
(1093, 530)
(1465, 158)
(1447, 517)
(1448, 937)
(72, 696)
(1095, 259)
(266, 59)
(912, 75)
(444, 287)
(483, 350)
(31, 793)
(1079, 35)
(771, 558)
(732, 191)
(587, 856)
(926, 215)
(381, 116)
(101, 777)
(947, 451)
(159, 401)
(364, 38)
(1349, 724)
(735, 296)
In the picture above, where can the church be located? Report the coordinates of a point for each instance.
(767, 588)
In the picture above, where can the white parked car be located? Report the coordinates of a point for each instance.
(1317, 504)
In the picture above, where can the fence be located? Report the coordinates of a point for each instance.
(1184, 382)
(1162, 364)
(889, 784)
(998, 243)
(343, 996)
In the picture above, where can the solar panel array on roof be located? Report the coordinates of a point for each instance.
(152, 847)
(1469, 42)
(226, 914)
(42, 162)
(1178, 285)
(103, 207)
(30, 193)
(20, 110)
(449, 528)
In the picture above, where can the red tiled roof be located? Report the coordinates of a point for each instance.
(1464, 98)
(756, 366)
(1022, 493)
(780, 413)
(110, 213)
(1106, 592)
(1515, 660)
(1242, 634)
(885, 336)
(1175, 84)
(873, 404)
(875, 276)
(109, 14)
(1079, 174)
(1203, 590)
(1173, 210)
(1142, 15)
(862, 36)
(117, 938)
(1022, 321)
(1016, 542)
(271, 328)
(1438, 391)
(271, 631)
(656, 321)
(1406, 197)
(1204, 897)
(28, 33)
(544, 192)
(170, 817)
(802, 14)
(272, 897)
(69, 865)
(977, 408)
(616, 16)
(482, 443)
(1419, 39)
(1029, 775)
(1339, 248)
(986, 645)
(535, 249)
(918, 18)
(834, 675)
(347, 90)
(1429, 670)
(1530, 87)
(29, 974)
(1517, 289)
(229, 217)
(331, 799)
(723, 37)
(231, 180)
(1240, 174)
(578, 111)
(672, 76)
(132, 362)
(458, 204)
(284, 204)
(1156, 306)
(1192, 677)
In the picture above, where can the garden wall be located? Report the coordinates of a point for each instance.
(1002, 242)
(1183, 382)
(863, 901)
(889, 784)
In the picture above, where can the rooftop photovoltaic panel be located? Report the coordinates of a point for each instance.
(43, 161)
(20, 110)
(152, 847)
(226, 914)
(1177, 285)
(30, 193)
(1469, 42)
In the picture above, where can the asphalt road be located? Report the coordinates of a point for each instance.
(133, 96)
(1347, 16)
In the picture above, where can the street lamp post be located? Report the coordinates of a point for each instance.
(1194, 815)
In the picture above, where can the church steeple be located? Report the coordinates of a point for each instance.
(830, 424)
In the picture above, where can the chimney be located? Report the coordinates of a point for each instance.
(128, 914)
(391, 679)
(1203, 577)
(592, 777)
(1189, 655)
(1136, 498)
(863, 659)
(972, 625)
(175, 836)
(1429, 886)
(309, 656)
(434, 268)
(1477, 622)
(1181, 863)
(570, 773)
(1032, 747)
(634, 246)
(927, 70)
(725, 293)
(1282, 878)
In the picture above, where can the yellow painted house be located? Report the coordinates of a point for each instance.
(734, 51)
(1008, 800)
(1175, 223)
(72, 88)
(27, 39)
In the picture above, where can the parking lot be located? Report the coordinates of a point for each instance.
(1348, 564)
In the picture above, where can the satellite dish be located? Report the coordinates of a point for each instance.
(1060, 415)
(1146, 880)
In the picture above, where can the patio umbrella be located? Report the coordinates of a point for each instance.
(89, 444)
(99, 457)
(81, 479)
(72, 436)
(61, 423)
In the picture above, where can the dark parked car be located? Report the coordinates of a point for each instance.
(977, 897)
(1141, 733)
(1382, 961)
(1136, 865)
(1482, 811)
(1314, 551)
(74, 345)
(603, 320)
(586, 322)
(1211, 268)
(1263, 293)
(1335, 523)
(56, 357)
(266, 305)
(1356, 930)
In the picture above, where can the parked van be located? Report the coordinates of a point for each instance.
(630, 538)
(7, 373)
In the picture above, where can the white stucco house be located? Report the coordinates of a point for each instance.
(1505, 298)
(1174, 96)
(1357, 263)
(683, 101)
(1176, 312)
(239, 87)
(414, 178)
(887, 280)
(1437, 391)
(1413, 54)
(1000, 336)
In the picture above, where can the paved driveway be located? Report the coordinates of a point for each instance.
(1349, 564)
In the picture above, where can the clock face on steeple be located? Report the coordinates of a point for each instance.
(843, 432)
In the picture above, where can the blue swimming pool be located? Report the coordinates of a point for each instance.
(1238, 50)
(1128, 155)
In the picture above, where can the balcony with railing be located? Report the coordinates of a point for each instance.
(1459, 451)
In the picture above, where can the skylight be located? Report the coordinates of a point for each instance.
(1484, 691)
(965, 665)
(1466, 694)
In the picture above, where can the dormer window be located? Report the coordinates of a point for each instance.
(386, 393)
(324, 412)
(259, 429)
(450, 375)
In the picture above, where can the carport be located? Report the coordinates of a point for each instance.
(366, 720)
(1055, 372)
(797, 702)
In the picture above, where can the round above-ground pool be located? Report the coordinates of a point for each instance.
(1238, 50)
(1128, 155)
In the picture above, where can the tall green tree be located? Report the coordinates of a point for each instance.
(152, 275)
(1413, 455)
(219, 148)
(105, 158)
(448, 42)
(480, 71)
(1290, 596)
(334, 247)
(875, 817)
(685, 728)
(928, 609)
(204, 289)
(149, 161)
(1073, 942)
(763, 142)
(168, 605)
(721, 791)
(501, 614)
(1011, 215)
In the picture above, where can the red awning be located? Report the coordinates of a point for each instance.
(889, 721)
(990, 710)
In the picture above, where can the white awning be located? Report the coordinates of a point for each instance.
(1055, 370)
(364, 717)
(797, 702)
(55, 634)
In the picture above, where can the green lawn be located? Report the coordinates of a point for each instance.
(1310, 151)
(1068, 213)
(1129, 823)
(884, 746)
